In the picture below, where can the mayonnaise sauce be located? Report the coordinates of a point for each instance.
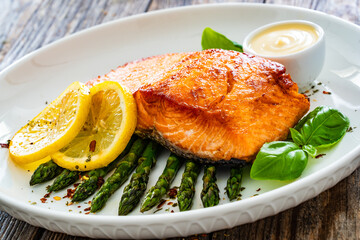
(284, 39)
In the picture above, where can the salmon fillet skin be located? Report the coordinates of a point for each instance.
(216, 106)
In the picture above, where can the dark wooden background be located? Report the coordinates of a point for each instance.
(26, 25)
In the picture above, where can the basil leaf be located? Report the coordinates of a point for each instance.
(311, 150)
(313, 113)
(212, 39)
(323, 127)
(296, 137)
(279, 160)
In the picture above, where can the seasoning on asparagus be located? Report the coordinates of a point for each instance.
(138, 182)
(233, 185)
(153, 197)
(90, 183)
(210, 192)
(45, 172)
(121, 174)
(65, 178)
(187, 186)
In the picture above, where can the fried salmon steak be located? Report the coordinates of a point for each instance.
(215, 105)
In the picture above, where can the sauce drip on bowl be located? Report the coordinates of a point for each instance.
(284, 39)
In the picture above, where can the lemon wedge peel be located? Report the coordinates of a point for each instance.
(53, 127)
(109, 126)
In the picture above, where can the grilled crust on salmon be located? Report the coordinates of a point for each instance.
(214, 105)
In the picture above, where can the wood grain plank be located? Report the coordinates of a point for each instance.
(12, 228)
(46, 21)
(13, 18)
(295, 3)
(59, 236)
(161, 4)
(345, 9)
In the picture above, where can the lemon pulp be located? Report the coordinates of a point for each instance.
(52, 128)
(109, 126)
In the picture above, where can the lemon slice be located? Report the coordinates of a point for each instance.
(110, 124)
(54, 127)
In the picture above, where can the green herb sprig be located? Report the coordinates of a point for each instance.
(212, 39)
(284, 160)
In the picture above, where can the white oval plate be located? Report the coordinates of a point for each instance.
(39, 77)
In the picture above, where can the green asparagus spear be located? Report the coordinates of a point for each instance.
(187, 186)
(137, 186)
(162, 185)
(90, 185)
(65, 178)
(233, 185)
(121, 174)
(210, 192)
(45, 172)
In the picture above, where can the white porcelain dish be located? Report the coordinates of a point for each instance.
(26, 85)
(304, 66)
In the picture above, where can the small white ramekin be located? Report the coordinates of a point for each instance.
(303, 66)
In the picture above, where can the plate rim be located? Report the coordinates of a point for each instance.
(180, 216)
(166, 11)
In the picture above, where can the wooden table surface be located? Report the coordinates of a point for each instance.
(26, 25)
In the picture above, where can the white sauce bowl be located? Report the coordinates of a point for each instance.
(303, 66)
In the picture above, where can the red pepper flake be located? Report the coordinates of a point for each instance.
(79, 206)
(169, 203)
(47, 195)
(172, 192)
(70, 193)
(76, 184)
(4, 145)
(43, 200)
(162, 202)
(100, 182)
(320, 155)
(87, 209)
(92, 145)
(326, 92)
(172, 211)
(307, 97)
(258, 189)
